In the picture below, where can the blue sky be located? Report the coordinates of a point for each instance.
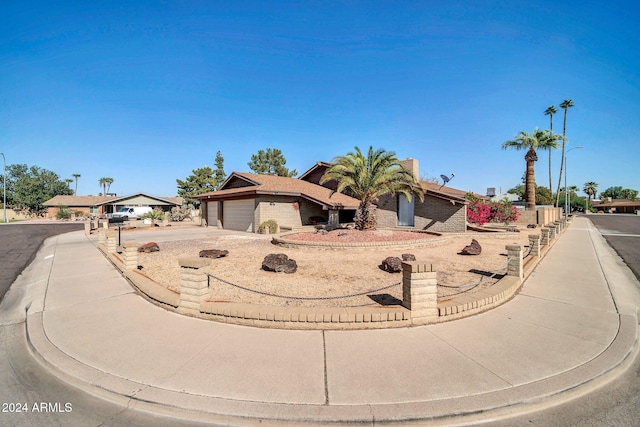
(144, 92)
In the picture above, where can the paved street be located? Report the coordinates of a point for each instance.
(20, 242)
(622, 232)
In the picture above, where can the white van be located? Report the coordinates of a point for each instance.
(131, 212)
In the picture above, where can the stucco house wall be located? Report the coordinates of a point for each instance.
(286, 211)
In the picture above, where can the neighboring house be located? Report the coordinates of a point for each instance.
(245, 200)
(617, 205)
(101, 205)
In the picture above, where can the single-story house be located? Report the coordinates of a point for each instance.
(101, 205)
(617, 205)
(245, 200)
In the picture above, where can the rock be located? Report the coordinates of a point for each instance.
(532, 225)
(473, 249)
(408, 257)
(279, 263)
(513, 230)
(342, 234)
(392, 264)
(149, 247)
(213, 253)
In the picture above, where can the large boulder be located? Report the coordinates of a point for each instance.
(279, 263)
(392, 264)
(149, 247)
(408, 257)
(473, 249)
(213, 253)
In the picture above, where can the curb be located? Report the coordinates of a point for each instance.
(493, 405)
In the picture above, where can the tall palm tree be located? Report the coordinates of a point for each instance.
(565, 105)
(538, 139)
(591, 189)
(550, 111)
(109, 182)
(368, 178)
(76, 176)
(105, 183)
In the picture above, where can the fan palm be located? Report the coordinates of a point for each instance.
(538, 139)
(369, 177)
(565, 105)
(591, 189)
(550, 111)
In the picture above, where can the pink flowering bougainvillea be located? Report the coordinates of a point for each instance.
(481, 212)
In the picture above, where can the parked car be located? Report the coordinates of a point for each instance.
(131, 212)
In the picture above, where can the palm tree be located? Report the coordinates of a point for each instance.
(109, 182)
(565, 105)
(368, 178)
(76, 176)
(591, 189)
(538, 139)
(105, 183)
(550, 111)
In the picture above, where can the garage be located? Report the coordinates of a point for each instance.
(238, 214)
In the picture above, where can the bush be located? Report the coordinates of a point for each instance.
(269, 224)
(63, 213)
(154, 215)
(481, 212)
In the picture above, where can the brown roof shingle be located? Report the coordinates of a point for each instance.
(282, 186)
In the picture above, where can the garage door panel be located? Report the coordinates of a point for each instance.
(238, 215)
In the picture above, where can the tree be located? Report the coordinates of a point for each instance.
(550, 111)
(538, 139)
(106, 184)
(29, 187)
(270, 162)
(590, 189)
(565, 105)
(76, 176)
(202, 181)
(619, 193)
(368, 178)
(219, 174)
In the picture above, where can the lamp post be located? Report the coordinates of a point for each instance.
(566, 195)
(4, 187)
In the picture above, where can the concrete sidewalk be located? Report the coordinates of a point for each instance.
(572, 326)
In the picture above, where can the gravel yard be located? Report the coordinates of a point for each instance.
(328, 276)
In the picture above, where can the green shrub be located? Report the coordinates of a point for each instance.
(270, 225)
(63, 213)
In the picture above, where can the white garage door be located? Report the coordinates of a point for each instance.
(212, 214)
(238, 214)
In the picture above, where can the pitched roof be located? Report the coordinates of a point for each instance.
(78, 200)
(444, 192)
(101, 200)
(617, 203)
(280, 186)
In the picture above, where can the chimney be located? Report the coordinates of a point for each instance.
(412, 165)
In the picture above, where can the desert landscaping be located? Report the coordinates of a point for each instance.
(336, 277)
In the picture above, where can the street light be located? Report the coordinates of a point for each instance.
(566, 195)
(4, 186)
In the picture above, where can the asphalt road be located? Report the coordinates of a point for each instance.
(622, 232)
(19, 243)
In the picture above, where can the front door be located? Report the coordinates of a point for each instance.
(406, 211)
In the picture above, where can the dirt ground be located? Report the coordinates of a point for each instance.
(331, 277)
